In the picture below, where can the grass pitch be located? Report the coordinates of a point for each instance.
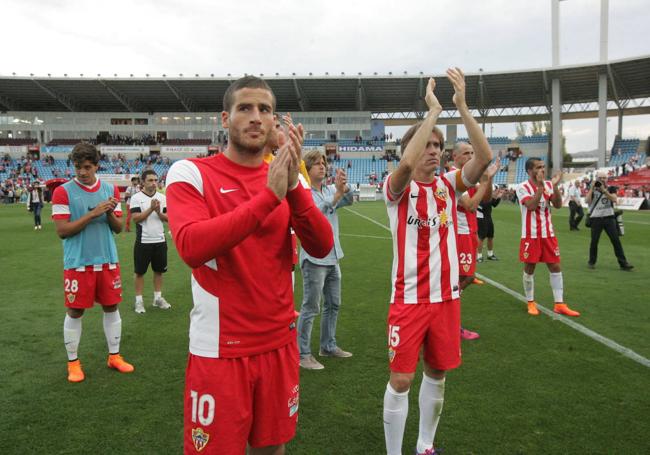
(527, 386)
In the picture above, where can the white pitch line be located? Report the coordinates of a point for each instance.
(367, 218)
(367, 236)
(574, 325)
(630, 354)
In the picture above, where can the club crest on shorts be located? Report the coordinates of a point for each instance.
(557, 252)
(117, 283)
(200, 438)
(466, 267)
(526, 255)
(391, 355)
(71, 298)
(294, 401)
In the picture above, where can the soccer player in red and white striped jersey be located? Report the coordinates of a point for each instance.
(538, 242)
(467, 226)
(425, 309)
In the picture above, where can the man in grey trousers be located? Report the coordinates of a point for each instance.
(322, 276)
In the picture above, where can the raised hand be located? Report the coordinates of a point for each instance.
(430, 97)
(340, 181)
(557, 178)
(457, 79)
(492, 169)
(278, 176)
(294, 151)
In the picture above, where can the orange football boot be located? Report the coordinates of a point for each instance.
(75, 373)
(478, 282)
(532, 308)
(562, 308)
(116, 362)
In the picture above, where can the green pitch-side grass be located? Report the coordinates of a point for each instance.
(527, 386)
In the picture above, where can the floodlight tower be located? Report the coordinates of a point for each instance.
(556, 120)
(602, 83)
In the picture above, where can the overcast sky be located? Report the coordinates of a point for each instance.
(206, 36)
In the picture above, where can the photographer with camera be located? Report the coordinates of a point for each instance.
(601, 216)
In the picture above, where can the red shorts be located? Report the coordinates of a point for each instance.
(544, 250)
(231, 402)
(466, 246)
(83, 289)
(434, 326)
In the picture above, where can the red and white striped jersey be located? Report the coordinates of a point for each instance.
(466, 220)
(536, 223)
(422, 223)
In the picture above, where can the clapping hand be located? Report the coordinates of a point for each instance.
(457, 79)
(557, 178)
(493, 168)
(340, 181)
(430, 97)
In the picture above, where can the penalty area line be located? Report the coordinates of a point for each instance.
(630, 354)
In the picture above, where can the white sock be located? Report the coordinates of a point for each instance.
(71, 336)
(432, 396)
(529, 286)
(558, 287)
(113, 331)
(157, 295)
(396, 409)
(138, 299)
(490, 252)
(479, 255)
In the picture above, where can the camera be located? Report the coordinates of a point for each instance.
(598, 184)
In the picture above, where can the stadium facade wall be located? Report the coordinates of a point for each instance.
(45, 126)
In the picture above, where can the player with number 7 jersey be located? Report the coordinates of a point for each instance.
(538, 242)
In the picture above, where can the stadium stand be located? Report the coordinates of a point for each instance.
(534, 139)
(186, 142)
(623, 150)
(56, 142)
(17, 141)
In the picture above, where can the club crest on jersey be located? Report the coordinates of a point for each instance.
(71, 298)
(117, 283)
(391, 355)
(294, 401)
(200, 438)
(441, 193)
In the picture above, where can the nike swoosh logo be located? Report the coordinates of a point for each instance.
(413, 196)
(224, 191)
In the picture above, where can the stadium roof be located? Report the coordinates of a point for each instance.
(627, 79)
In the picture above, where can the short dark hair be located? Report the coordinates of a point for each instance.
(244, 82)
(148, 172)
(411, 132)
(530, 163)
(84, 151)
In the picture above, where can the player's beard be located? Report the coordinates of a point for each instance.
(241, 143)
